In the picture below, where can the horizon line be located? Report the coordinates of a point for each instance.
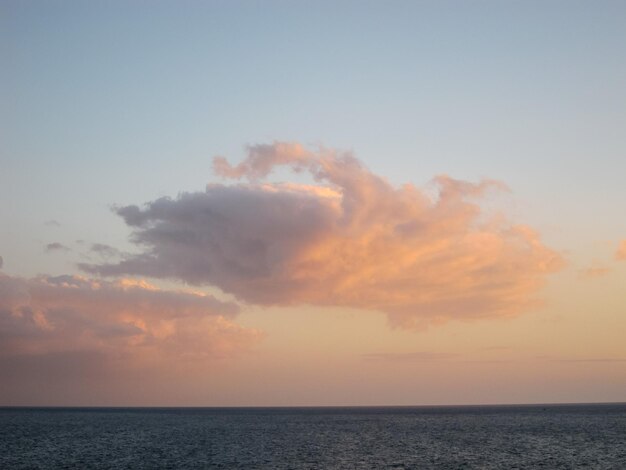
(286, 407)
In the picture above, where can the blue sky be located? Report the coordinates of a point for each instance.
(122, 101)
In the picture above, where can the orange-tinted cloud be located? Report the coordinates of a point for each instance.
(68, 315)
(620, 254)
(350, 239)
(421, 356)
(594, 272)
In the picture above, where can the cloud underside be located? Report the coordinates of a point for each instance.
(66, 316)
(349, 239)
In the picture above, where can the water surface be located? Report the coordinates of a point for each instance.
(551, 437)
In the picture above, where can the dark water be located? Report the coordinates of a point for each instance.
(551, 437)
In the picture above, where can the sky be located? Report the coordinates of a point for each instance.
(284, 203)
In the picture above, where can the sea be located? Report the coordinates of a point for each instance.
(460, 437)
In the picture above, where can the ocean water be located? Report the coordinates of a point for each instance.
(484, 437)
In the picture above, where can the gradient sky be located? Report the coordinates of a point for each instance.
(412, 202)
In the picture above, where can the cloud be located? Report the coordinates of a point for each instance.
(583, 359)
(122, 319)
(620, 254)
(106, 251)
(52, 223)
(56, 246)
(1, 262)
(350, 239)
(594, 272)
(422, 356)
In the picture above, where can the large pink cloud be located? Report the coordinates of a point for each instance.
(620, 254)
(124, 319)
(350, 239)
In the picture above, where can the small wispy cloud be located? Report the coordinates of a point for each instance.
(419, 356)
(488, 361)
(56, 246)
(593, 272)
(596, 359)
(581, 359)
(106, 251)
(494, 348)
(52, 223)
